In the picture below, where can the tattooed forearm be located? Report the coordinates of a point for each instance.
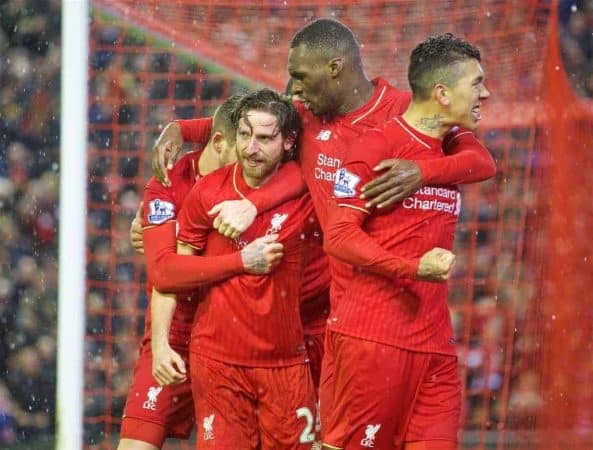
(262, 255)
(260, 263)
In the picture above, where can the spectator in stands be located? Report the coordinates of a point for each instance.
(7, 419)
(576, 39)
(29, 102)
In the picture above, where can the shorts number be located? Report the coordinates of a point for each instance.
(307, 436)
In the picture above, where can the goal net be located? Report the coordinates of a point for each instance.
(524, 346)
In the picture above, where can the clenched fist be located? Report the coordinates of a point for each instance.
(436, 265)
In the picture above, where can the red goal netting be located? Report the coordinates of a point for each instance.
(154, 61)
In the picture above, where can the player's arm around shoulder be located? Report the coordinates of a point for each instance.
(232, 217)
(466, 160)
(168, 146)
(395, 178)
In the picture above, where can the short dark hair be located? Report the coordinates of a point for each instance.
(327, 36)
(223, 120)
(267, 100)
(433, 61)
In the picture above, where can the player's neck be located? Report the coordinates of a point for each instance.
(209, 160)
(357, 94)
(425, 119)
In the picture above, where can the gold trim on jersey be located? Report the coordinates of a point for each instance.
(346, 205)
(457, 135)
(235, 182)
(372, 109)
(331, 446)
(416, 138)
(185, 244)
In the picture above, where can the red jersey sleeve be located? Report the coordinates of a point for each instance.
(468, 161)
(166, 270)
(194, 222)
(286, 185)
(170, 272)
(159, 204)
(196, 130)
(346, 240)
(344, 235)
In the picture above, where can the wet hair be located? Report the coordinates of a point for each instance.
(328, 37)
(223, 121)
(281, 107)
(267, 100)
(435, 60)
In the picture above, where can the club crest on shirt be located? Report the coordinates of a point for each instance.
(160, 211)
(345, 184)
(276, 223)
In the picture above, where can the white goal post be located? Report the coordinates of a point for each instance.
(72, 228)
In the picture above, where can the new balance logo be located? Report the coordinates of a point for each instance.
(208, 425)
(152, 394)
(369, 439)
(324, 135)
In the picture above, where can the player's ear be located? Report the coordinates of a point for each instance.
(442, 94)
(288, 143)
(218, 142)
(335, 66)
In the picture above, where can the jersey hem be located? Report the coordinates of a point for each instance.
(378, 340)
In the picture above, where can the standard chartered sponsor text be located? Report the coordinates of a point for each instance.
(451, 202)
(434, 205)
(326, 167)
(438, 192)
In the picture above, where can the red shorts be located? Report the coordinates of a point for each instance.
(251, 407)
(377, 395)
(314, 342)
(154, 413)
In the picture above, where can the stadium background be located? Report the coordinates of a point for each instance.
(519, 299)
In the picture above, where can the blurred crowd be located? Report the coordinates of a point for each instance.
(126, 108)
(576, 38)
(29, 151)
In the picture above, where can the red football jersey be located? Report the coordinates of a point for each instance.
(161, 205)
(249, 320)
(402, 312)
(323, 149)
(323, 146)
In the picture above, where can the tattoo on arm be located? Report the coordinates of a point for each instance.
(261, 263)
(255, 258)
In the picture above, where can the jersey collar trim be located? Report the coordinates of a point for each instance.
(237, 178)
(416, 135)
